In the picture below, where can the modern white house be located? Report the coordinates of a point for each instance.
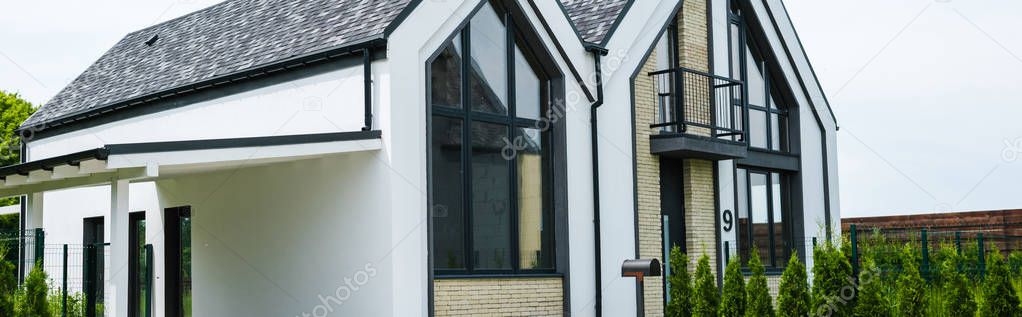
(430, 158)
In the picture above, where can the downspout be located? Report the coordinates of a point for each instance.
(367, 76)
(597, 53)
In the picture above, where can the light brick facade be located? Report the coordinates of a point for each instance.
(499, 297)
(698, 178)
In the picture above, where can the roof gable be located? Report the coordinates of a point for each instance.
(595, 20)
(230, 37)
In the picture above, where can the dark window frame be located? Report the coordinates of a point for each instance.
(134, 263)
(172, 259)
(467, 116)
(775, 262)
(771, 93)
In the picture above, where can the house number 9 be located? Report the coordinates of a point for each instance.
(729, 220)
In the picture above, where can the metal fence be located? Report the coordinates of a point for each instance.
(928, 248)
(76, 274)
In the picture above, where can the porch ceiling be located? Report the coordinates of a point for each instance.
(143, 161)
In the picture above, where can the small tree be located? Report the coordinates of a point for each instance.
(793, 293)
(707, 299)
(8, 283)
(870, 301)
(13, 111)
(911, 294)
(831, 272)
(36, 290)
(681, 285)
(956, 287)
(758, 301)
(732, 303)
(999, 298)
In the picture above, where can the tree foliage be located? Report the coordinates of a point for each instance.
(999, 298)
(870, 300)
(8, 283)
(793, 293)
(911, 294)
(681, 285)
(13, 111)
(732, 303)
(959, 301)
(831, 272)
(758, 302)
(707, 299)
(35, 302)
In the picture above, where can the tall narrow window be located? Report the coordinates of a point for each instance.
(137, 269)
(178, 261)
(768, 113)
(490, 152)
(762, 211)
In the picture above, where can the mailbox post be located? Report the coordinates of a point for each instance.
(639, 269)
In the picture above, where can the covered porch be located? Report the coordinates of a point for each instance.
(278, 225)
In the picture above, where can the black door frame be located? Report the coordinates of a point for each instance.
(134, 289)
(172, 260)
(93, 230)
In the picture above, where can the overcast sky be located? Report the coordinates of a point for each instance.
(926, 91)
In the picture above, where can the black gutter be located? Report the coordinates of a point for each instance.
(367, 87)
(27, 132)
(597, 53)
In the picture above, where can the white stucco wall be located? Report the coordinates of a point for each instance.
(327, 102)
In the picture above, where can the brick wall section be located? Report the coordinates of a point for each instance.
(698, 175)
(693, 52)
(700, 235)
(499, 297)
(647, 176)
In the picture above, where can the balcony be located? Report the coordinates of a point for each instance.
(698, 115)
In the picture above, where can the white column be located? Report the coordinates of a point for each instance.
(117, 280)
(33, 220)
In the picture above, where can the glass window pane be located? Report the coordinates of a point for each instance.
(756, 85)
(491, 201)
(778, 220)
(757, 129)
(448, 192)
(758, 204)
(445, 76)
(743, 215)
(528, 94)
(775, 132)
(736, 52)
(663, 53)
(535, 230)
(489, 62)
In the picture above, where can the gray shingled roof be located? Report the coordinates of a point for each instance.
(233, 36)
(593, 19)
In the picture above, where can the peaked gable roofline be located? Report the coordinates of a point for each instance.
(595, 21)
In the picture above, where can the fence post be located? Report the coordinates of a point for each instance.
(39, 250)
(855, 249)
(925, 269)
(63, 296)
(982, 256)
(958, 242)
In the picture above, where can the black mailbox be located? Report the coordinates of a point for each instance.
(640, 268)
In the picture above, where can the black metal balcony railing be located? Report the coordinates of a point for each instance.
(697, 103)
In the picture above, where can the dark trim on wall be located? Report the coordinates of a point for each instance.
(771, 160)
(616, 24)
(560, 49)
(217, 87)
(812, 70)
(819, 121)
(537, 51)
(212, 144)
(401, 17)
